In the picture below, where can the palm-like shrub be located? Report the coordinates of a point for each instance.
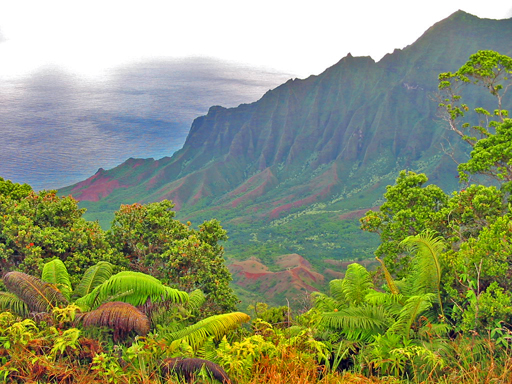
(112, 301)
(385, 322)
(360, 311)
(214, 326)
(135, 288)
(122, 317)
(39, 296)
(116, 295)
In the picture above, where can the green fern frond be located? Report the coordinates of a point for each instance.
(356, 284)
(426, 267)
(393, 303)
(56, 273)
(196, 299)
(413, 307)
(337, 291)
(426, 275)
(93, 276)
(208, 350)
(324, 303)
(359, 323)
(11, 302)
(216, 326)
(38, 295)
(433, 330)
(134, 288)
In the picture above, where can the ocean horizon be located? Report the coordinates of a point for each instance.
(58, 128)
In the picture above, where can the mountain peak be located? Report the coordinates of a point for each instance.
(327, 145)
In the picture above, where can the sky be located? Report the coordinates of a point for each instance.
(90, 37)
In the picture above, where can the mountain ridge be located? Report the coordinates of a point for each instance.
(320, 147)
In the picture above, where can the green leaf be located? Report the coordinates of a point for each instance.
(56, 273)
(93, 276)
(11, 302)
(359, 323)
(138, 287)
(216, 326)
(356, 284)
(413, 307)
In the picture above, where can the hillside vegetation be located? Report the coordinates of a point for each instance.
(148, 300)
(294, 171)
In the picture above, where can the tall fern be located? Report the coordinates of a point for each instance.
(426, 269)
(56, 273)
(356, 284)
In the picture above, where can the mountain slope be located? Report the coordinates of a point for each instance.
(283, 172)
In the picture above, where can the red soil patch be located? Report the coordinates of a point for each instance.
(334, 274)
(297, 277)
(95, 187)
(251, 265)
(256, 185)
(292, 260)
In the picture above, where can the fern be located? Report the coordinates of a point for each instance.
(413, 307)
(56, 273)
(324, 303)
(134, 288)
(198, 333)
(337, 291)
(426, 275)
(122, 317)
(392, 303)
(196, 299)
(391, 283)
(356, 284)
(93, 276)
(359, 323)
(9, 301)
(38, 295)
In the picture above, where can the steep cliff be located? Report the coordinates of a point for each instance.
(320, 147)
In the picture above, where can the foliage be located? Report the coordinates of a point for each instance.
(135, 288)
(122, 317)
(37, 228)
(39, 296)
(439, 310)
(216, 326)
(175, 253)
(409, 209)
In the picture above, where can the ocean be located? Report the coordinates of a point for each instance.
(57, 128)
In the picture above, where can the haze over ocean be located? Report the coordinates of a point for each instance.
(57, 128)
(88, 84)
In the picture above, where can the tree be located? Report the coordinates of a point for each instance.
(174, 252)
(475, 222)
(35, 228)
(410, 208)
(490, 138)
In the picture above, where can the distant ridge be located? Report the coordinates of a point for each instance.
(283, 173)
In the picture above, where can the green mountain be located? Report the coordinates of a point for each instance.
(292, 172)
